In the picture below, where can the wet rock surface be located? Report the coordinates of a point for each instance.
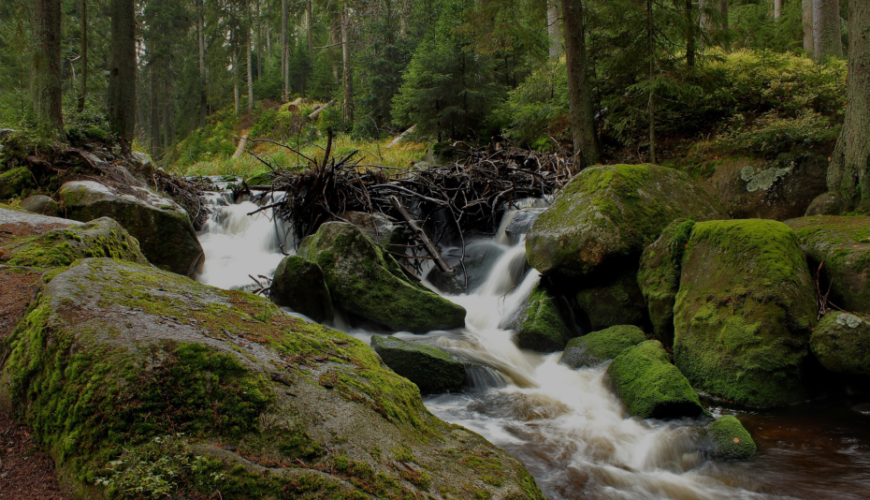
(299, 285)
(431, 369)
(597, 347)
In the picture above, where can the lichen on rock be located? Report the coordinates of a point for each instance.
(841, 343)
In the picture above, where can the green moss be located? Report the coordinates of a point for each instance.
(650, 386)
(615, 300)
(659, 276)
(842, 243)
(16, 182)
(540, 326)
(598, 347)
(366, 281)
(731, 441)
(433, 370)
(744, 312)
(841, 343)
(610, 213)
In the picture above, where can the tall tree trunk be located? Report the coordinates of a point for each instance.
(691, 35)
(826, 29)
(155, 111)
(849, 172)
(236, 93)
(652, 75)
(46, 88)
(777, 9)
(705, 23)
(200, 38)
(250, 73)
(167, 126)
(554, 30)
(83, 9)
(579, 89)
(259, 41)
(122, 70)
(347, 70)
(809, 39)
(723, 6)
(309, 21)
(285, 49)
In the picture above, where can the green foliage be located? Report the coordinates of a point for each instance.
(538, 108)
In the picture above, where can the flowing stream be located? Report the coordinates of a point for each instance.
(565, 425)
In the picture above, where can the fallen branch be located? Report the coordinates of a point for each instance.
(421, 235)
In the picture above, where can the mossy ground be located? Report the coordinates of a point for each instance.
(744, 312)
(650, 386)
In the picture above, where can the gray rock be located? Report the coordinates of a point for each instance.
(163, 228)
(299, 285)
(432, 369)
(40, 204)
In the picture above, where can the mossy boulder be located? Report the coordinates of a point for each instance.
(40, 204)
(650, 386)
(841, 343)
(843, 244)
(300, 285)
(731, 441)
(597, 347)
(744, 312)
(16, 182)
(614, 300)
(366, 281)
(134, 377)
(164, 230)
(608, 214)
(659, 276)
(433, 370)
(540, 326)
(61, 247)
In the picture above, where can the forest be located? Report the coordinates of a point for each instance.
(434, 250)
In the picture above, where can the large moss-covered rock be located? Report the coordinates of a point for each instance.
(731, 441)
(780, 189)
(650, 386)
(300, 285)
(841, 343)
(368, 282)
(15, 182)
(597, 347)
(659, 276)
(163, 228)
(843, 244)
(744, 312)
(540, 327)
(610, 213)
(61, 247)
(137, 379)
(433, 370)
(616, 300)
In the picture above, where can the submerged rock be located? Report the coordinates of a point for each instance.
(597, 347)
(650, 386)
(608, 214)
(843, 244)
(744, 312)
(126, 372)
(364, 280)
(841, 343)
(433, 370)
(163, 228)
(300, 285)
(731, 441)
(659, 276)
(540, 327)
(616, 301)
(40, 204)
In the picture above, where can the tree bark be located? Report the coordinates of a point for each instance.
(691, 35)
(723, 6)
(285, 50)
(347, 70)
(826, 30)
(203, 92)
(155, 111)
(809, 39)
(122, 70)
(849, 172)
(777, 9)
(250, 71)
(83, 95)
(259, 41)
(652, 70)
(579, 88)
(554, 30)
(46, 88)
